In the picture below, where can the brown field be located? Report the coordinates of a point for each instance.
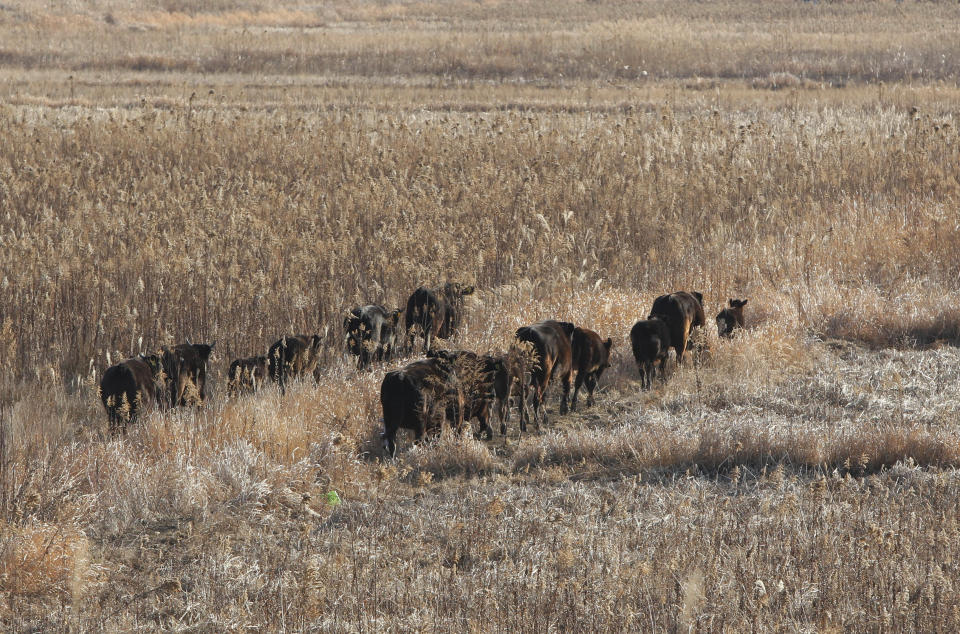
(249, 168)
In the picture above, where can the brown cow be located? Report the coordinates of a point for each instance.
(731, 318)
(591, 356)
(551, 342)
(435, 313)
(682, 311)
(371, 333)
(419, 397)
(129, 386)
(650, 340)
(293, 356)
(247, 375)
(186, 368)
(484, 379)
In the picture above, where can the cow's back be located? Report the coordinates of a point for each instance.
(294, 355)
(588, 350)
(649, 339)
(406, 393)
(681, 311)
(422, 306)
(186, 364)
(551, 341)
(128, 384)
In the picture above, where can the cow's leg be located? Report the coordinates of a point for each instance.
(416, 421)
(566, 392)
(503, 409)
(409, 340)
(181, 391)
(483, 418)
(539, 411)
(591, 382)
(684, 340)
(459, 415)
(529, 403)
(427, 340)
(390, 441)
(576, 390)
(523, 412)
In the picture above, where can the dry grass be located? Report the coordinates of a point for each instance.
(252, 170)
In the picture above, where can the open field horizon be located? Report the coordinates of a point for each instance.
(250, 170)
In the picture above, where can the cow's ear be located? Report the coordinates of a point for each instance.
(743, 302)
(731, 302)
(608, 343)
(316, 341)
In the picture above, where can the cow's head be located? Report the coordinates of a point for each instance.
(204, 350)
(731, 318)
(456, 290)
(356, 332)
(154, 362)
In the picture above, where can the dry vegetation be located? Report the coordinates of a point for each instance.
(247, 170)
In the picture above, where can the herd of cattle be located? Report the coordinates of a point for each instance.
(446, 386)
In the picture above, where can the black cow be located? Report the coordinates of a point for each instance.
(682, 311)
(731, 318)
(435, 313)
(247, 375)
(130, 386)
(591, 356)
(551, 342)
(419, 397)
(370, 333)
(650, 340)
(186, 368)
(293, 356)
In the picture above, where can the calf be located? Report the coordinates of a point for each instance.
(650, 340)
(551, 343)
(247, 375)
(484, 379)
(435, 313)
(419, 397)
(128, 387)
(682, 311)
(731, 318)
(591, 356)
(186, 368)
(293, 356)
(370, 333)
